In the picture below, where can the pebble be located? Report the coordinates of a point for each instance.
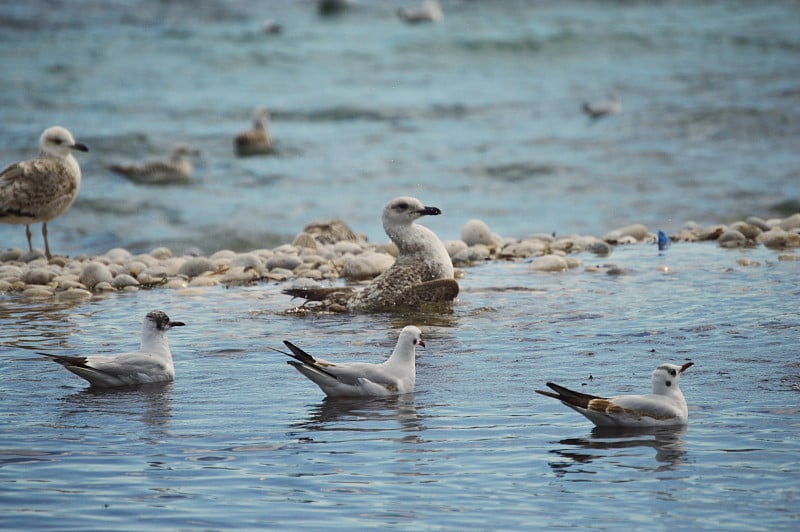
(94, 273)
(477, 232)
(329, 252)
(550, 263)
(195, 266)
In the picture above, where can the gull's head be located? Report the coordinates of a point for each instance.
(58, 142)
(159, 321)
(666, 377)
(260, 115)
(411, 336)
(182, 151)
(404, 210)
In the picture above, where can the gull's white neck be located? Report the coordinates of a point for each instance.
(154, 341)
(414, 240)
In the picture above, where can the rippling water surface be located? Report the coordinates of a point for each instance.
(478, 115)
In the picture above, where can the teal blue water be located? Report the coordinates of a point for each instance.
(478, 115)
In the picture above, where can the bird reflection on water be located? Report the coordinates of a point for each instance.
(604, 443)
(363, 416)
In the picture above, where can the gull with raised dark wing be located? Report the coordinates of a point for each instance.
(396, 375)
(664, 407)
(151, 363)
(44, 188)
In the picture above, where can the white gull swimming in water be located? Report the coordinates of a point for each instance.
(666, 406)
(44, 188)
(429, 11)
(151, 363)
(421, 274)
(255, 141)
(612, 106)
(178, 169)
(396, 375)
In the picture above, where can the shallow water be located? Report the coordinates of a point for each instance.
(240, 440)
(479, 116)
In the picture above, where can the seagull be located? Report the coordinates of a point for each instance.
(666, 406)
(41, 189)
(178, 169)
(151, 363)
(421, 274)
(254, 141)
(429, 11)
(362, 379)
(601, 109)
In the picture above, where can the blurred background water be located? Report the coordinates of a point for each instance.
(480, 116)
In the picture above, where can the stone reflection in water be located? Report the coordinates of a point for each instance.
(608, 442)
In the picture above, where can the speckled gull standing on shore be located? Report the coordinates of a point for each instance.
(421, 274)
(41, 189)
(396, 375)
(151, 363)
(178, 169)
(255, 141)
(666, 406)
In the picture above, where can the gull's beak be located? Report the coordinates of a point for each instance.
(421, 343)
(176, 324)
(80, 147)
(686, 366)
(429, 211)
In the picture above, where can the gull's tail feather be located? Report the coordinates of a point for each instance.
(304, 359)
(66, 360)
(316, 294)
(568, 396)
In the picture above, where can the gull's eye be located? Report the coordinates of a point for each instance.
(415, 341)
(673, 372)
(56, 140)
(401, 206)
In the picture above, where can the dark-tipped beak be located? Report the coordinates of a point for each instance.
(430, 211)
(176, 324)
(80, 147)
(686, 366)
(421, 343)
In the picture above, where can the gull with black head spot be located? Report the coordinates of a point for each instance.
(41, 189)
(150, 364)
(666, 406)
(396, 375)
(422, 274)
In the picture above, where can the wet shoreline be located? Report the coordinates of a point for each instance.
(329, 252)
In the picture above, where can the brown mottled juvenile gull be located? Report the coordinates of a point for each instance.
(178, 169)
(151, 363)
(422, 273)
(396, 375)
(41, 189)
(666, 406)
(255, 141)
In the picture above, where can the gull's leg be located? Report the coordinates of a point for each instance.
(46, 245)
(28, 234)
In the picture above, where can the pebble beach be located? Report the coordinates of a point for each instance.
(327, 256)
